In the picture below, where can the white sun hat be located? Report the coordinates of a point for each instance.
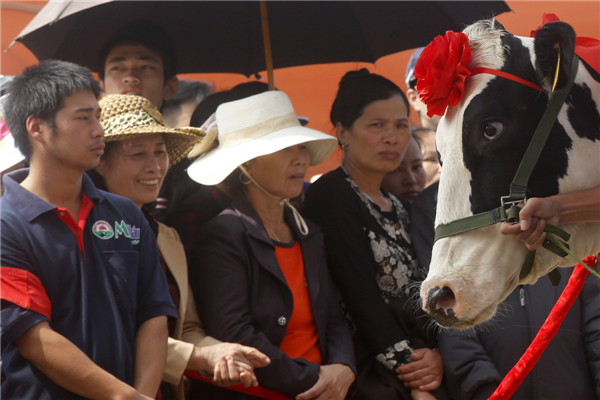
(255, 126)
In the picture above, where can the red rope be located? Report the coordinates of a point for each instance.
(258, 391)
(515, 376)
(505, 75)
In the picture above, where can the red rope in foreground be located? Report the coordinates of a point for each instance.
(258, 391)
(515, 376)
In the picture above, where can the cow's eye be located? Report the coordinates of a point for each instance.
(492, 130)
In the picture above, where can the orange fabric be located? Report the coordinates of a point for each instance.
(24, 289)
(588, 49)
(301, 338)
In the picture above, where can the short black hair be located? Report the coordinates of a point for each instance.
(357, 90)
(209, 105)
(41, 90)
(144, 33)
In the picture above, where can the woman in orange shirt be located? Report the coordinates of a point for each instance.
(261, 278)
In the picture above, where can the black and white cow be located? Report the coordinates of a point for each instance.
(482, 140)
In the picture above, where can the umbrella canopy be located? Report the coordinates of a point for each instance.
(227, 36)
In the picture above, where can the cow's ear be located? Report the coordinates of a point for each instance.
(549, 40)
(498, 26)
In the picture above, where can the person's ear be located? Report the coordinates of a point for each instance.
(249, 164)
(171, 87)
(101, 83)
(341, 133)
(36, 127)
(413, 98)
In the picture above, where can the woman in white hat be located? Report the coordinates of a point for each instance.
(139, 149)
(261, 277)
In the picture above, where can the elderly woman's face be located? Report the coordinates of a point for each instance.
(135, 168)
(282, 173)
(378, 138)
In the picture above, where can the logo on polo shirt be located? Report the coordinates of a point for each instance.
(124, 229)
(103, 230)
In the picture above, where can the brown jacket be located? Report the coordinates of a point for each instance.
(188, 330)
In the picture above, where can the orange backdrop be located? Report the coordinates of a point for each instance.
(312, 88)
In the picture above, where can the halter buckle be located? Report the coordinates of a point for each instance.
(511, 207)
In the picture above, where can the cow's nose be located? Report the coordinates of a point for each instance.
(440, 304)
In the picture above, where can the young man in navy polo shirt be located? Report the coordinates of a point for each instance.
(84, 299)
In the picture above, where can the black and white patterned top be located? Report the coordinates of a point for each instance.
(371, 258)
(391, 246)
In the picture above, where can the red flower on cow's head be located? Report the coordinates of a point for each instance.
(441, 71)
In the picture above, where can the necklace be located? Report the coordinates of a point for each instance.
(397, 229)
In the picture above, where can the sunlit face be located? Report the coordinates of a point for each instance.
(408, 180)
(76, 140)
(431, 161)
(282, 173)
(135, 168)
(134, 69)
(377, 140)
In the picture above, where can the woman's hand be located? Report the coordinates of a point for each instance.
(334, 382)
(229, 363)
(424, 372)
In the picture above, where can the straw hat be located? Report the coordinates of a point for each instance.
(256, 126)
(126, 116)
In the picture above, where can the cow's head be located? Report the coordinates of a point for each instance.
(481, 141)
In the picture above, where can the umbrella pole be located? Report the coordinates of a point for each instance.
(267, 43)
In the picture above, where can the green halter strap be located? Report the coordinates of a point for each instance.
(509, 208)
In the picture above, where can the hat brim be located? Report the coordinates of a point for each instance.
(214, 166)
(178, 141)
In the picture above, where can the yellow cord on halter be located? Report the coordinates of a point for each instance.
(556, 46)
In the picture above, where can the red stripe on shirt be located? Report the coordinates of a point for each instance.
(24, 289)
(76, 226)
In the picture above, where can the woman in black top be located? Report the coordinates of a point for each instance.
(368, 240)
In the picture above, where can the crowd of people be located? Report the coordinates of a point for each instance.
(239, 283)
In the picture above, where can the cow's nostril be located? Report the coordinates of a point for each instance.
(446, 298)
(441, 301)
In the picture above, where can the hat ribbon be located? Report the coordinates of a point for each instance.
(263, 128)
(300, 222)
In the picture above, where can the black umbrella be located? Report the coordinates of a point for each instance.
(227, 36)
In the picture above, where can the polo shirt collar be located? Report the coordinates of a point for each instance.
(31, 206)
